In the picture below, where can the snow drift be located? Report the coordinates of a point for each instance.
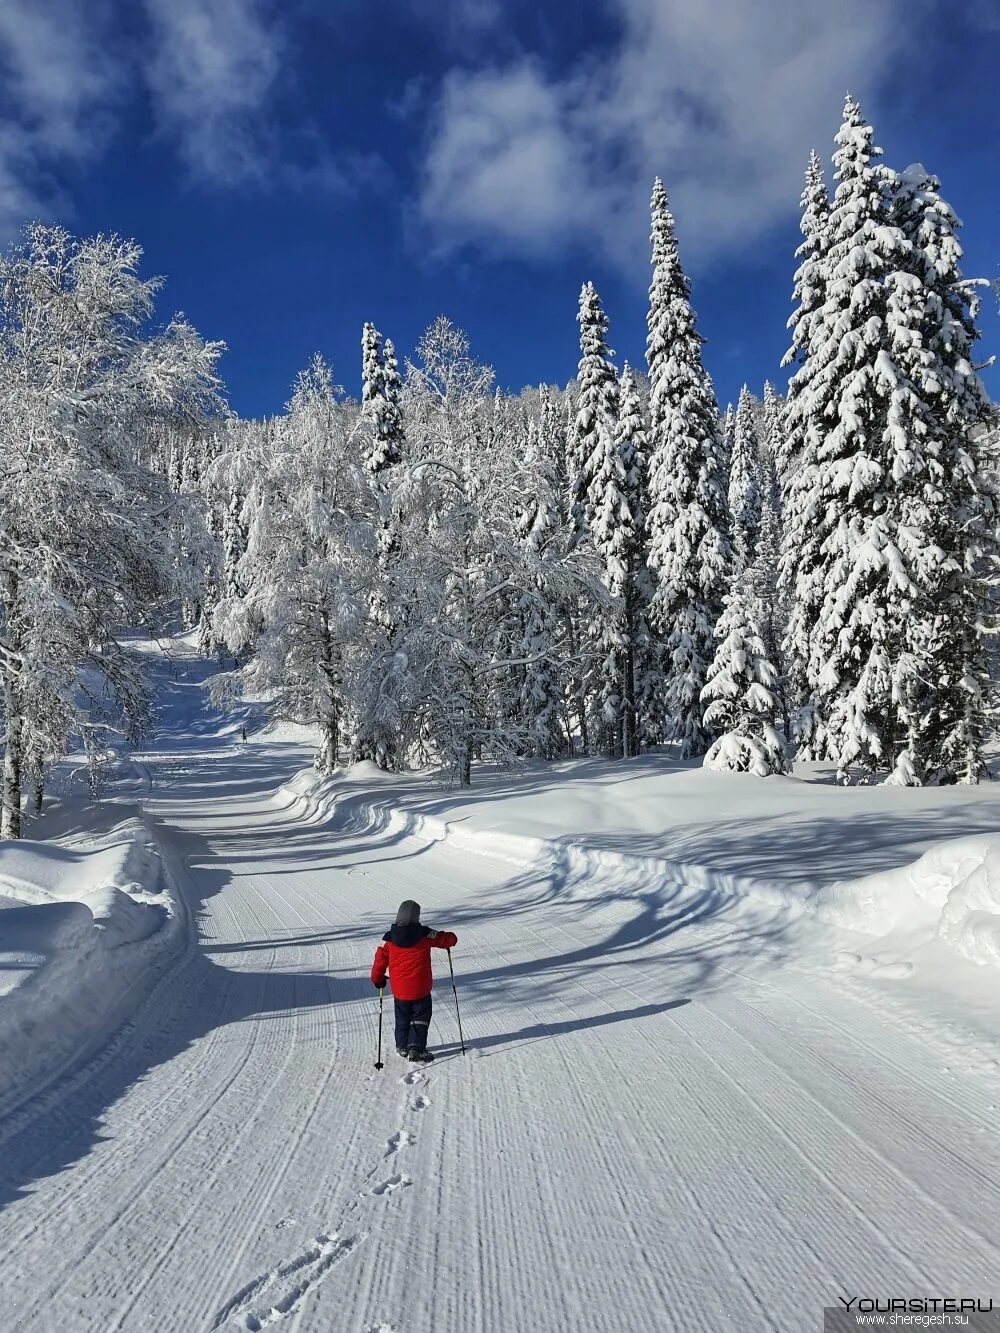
(950, 894)
(84, 930)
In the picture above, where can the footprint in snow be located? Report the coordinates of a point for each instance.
(420, 1103)
(414, 1076)
(285, 1222)
(386, 1187)
(892, 971)
(401, 1139)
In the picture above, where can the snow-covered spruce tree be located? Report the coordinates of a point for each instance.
(745, 469)
(552, 432)
(380, 402)
(375, 719)
(688, 552)
(596, 408)
(641, 673)
(797, 465)
(88, 527)
(607, 517)
(862, 573)
(739, 694)
(945, 501)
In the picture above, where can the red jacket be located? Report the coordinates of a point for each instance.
(405, 953)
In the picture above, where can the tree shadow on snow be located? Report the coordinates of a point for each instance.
(192, 999)
(543, 1031)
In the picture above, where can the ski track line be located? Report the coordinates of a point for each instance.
(85, 1175)
(792, 1238)
(266, 1184)
(315, 1263)
(189, 1138)
(584, 1097)
(973, 1182)
(912, 1074)
(315, 1020)
(843, 1164)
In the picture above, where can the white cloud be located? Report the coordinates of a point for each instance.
(212, 71)
(211, 68)
(58, 87)
(724, 100)
(501, 164)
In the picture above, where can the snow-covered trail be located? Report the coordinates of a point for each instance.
(647, 1132)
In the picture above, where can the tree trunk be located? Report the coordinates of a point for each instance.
(329, 749)
(10, 824)
(630, 728)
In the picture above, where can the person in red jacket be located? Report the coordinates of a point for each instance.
(405, 953)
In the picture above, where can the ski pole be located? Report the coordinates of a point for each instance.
(378, 1058)
(457, 1013)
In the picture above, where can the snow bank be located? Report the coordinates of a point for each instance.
(950, 894)
(84, 930)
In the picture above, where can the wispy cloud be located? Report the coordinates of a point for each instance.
(211, 68)
(216, 74)
(723, 100)
(58, 88)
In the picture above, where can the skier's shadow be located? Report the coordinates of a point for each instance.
(544, 1031)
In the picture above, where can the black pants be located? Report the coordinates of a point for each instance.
(412, 1020)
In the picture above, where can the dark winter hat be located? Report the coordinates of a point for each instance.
(408, 914)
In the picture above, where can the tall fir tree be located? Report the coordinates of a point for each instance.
(689, 551)
(601, 492)
(797, 464)
(745, 476)
(380, 402)
(946, 501)
(863, 572)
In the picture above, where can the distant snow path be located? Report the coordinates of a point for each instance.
(663, 1136)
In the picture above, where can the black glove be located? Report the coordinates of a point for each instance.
(378, 984)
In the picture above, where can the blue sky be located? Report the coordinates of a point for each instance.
(293, 169)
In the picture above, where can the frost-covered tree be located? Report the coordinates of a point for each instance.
(540, 528)
(607, 448)
(308, 568)
(467, 566)
(90, 531)
(689, 552)
(596, 408)
(641, 674)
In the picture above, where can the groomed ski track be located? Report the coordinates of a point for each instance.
(661, 1123)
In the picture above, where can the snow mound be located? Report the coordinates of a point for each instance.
(84, 930)
(952, 892)
(949, 895)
